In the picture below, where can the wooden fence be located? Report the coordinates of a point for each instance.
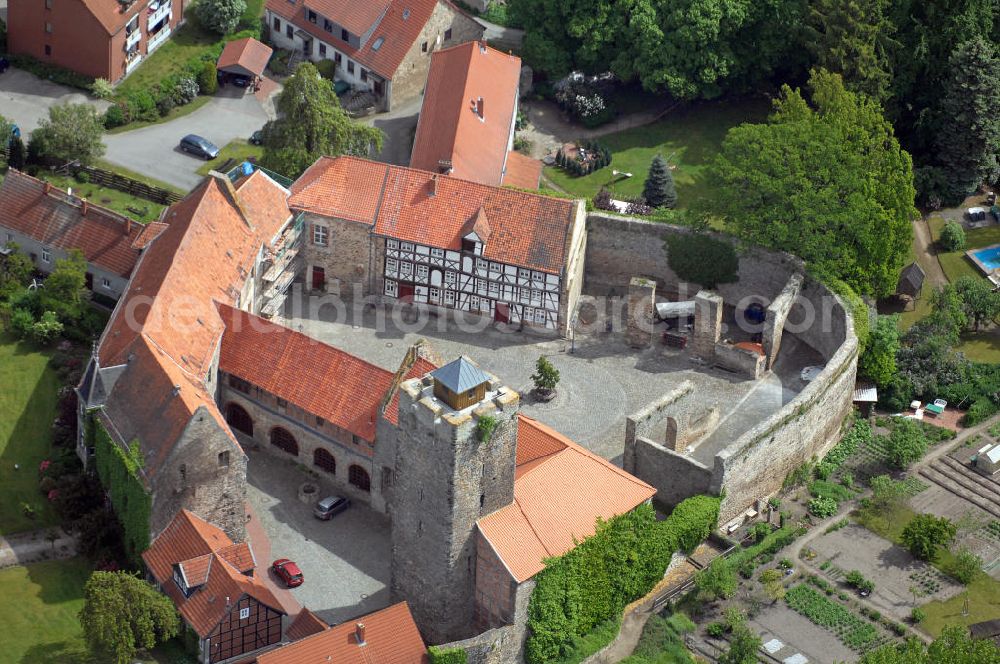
(126, 184)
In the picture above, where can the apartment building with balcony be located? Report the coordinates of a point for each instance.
(383, 46)
(99, 38)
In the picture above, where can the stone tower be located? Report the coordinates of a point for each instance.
(455, 456)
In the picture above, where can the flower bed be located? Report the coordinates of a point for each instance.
(855, 633)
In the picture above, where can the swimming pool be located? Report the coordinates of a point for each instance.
(987, 258)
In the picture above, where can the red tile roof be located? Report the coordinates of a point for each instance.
(109, 14)
(54, 218)
(391, 637)
(526, 229)
(522, 171)
(210, 560)
(451, 130)
(560, 491)
(245, 56)
(306, 623)
(337, 386)
(357, 17)
(398, 34)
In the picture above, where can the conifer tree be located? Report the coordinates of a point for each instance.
(659, 190)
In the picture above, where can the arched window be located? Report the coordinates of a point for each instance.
(238, 418)
(283, 440)
(325, 460)
(358, 476)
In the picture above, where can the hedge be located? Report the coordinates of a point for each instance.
(702, 259)
(622, 561)
(118, 471)
(51, 72)
(439, 655)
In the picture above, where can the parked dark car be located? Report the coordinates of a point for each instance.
(199, 147)
(331, 506)
(288, 572)
(257, 138)
(4, 63)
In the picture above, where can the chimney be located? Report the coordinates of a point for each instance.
(359, 633)
(48, 187)
(479, 108)
(83, 207)
(177, 390)
(434, 185)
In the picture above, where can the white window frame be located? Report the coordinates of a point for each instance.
(405, 269)
(437, 253)
(406, 246)
(46, 255)
(391, 266)
(321, 235)
(422, 272)
(105, 283)
(391, 244)
(245, 613)
(391, 288)
(450, 279)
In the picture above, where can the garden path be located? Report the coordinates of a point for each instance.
(32, 546)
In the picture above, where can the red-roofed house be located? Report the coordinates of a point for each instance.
(46, 223)
(98, 38)
(466, 124)
(388, 636)
(382, 46)
(426, 238)
(212, 583)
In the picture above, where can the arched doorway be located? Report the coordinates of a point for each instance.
(324, 461)
(238, 418)
(358, 476)
(284, 440)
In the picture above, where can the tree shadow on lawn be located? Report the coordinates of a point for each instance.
(63, 652)
(29, 442)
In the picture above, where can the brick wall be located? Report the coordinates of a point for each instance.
(345, 258)
(411, 76)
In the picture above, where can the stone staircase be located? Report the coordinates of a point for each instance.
(966, 483)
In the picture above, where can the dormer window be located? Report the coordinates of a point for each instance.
(182, 582)
(471, 245)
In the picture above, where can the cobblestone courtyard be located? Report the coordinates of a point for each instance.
(602, 379)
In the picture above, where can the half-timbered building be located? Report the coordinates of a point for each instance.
(416, 236)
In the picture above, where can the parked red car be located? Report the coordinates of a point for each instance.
(288, 572)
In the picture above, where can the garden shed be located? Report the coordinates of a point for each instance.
(911, 281)
(245, 57)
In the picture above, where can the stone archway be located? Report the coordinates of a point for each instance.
(284, 440)
(358, 476)
(239, 419)
(325, 461)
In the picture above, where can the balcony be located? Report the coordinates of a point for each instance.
(132, 61)
(274, 297)
(157, 13)
(132, 39)
(157, 39)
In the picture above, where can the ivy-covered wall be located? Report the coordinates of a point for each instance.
(620, 563)
(118, 471)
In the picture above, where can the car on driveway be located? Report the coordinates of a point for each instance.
(330, 507)
(257, 138)
(288, 572)
(199, 147)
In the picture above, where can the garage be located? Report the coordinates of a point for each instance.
(243, 61)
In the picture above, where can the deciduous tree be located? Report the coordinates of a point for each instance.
(980, 302)
(878, 362)
(221, 16)
(954, 646)
(925, 535)
(905, 444)
(718, 580)
(312, 124)
(952, 236)
(122, 614)
(743, 647)
(71, 132)
(827, 182)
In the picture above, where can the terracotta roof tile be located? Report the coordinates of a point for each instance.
(335, 385)
(451, 130)
(522, 172)
(391, 637)
(306, 623)
(109, 14)
(207, 558)
(266, 204)
(526, 229)
(151, 231)
(357, 17)
(398, 30)
(558, 497)
(245, 56)
(54, 218)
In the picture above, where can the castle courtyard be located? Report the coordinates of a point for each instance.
(602, 379)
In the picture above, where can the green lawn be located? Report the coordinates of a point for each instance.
(982, 347)
(141, 177)
(687, 137)
(984, 604)
(955, 263)
(39, 612)
(187, 42)
(119, 201)
(238, 150)
(28, 394)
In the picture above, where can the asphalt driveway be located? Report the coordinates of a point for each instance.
(232, 113)
(345, 561)
(25, 99)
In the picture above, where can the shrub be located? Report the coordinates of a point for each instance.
(917, 615)
(823, 470)
(484, 428)
(326, 68)
(220, 16)
(165, 104)
(759, 531)
(439, 655)
(952, 236)
(823, 506)
(964, 566)
(185, 91)
(114, 117)
(208, 81)
(716, 630)
(102, 89)
(52, 72)
(925, 535)
(702, 259)
(142, 107)
(774, 502)
(83, 177)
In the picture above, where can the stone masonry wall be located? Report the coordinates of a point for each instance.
(643, 423)
(573, 278)
(411, 76)
(674, 475)
(265, 417)
(210, 488)
(739, 360)
(777, 314)
(345, 258)
(495, 588)
(756, 464)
